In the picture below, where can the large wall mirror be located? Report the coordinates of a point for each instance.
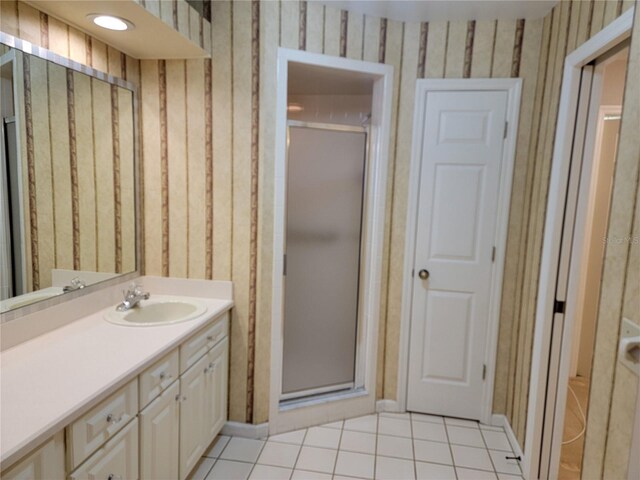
(67, 176)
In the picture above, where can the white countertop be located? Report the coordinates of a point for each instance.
(47, 382)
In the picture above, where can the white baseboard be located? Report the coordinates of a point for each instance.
(387, 406)
(499, 420)
(246, 430)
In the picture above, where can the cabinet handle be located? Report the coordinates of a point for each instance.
(211, 367)
(113, 476)
(180, 398)
(111, 418)
(210, 338)
(164, 376)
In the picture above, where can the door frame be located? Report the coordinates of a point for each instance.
(337, 406)
(513, 87)
(610, 36)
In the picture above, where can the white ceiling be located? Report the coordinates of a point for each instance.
(435, 10)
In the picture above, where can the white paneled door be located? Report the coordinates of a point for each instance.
(461, 156)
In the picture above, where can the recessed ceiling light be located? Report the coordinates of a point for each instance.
(110, 22)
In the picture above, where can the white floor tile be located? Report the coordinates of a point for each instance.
(217, 446)
(502, 465)
(368, 423)
(433, 471)
(504, 476)
(355, 464)
(296, 437)
(394, 469)
(496, 440)
(201, 471)
(459, 422)
(469, 474)
(471, 457)
(434, 452)
(267, 472)
(342, 477)
(307, 475)
(394, 426)
(465, 436)
(242, 449)
(337, 425)
(322, 437)
(429, 431)
(423, 417)
(279, 454)
(229, 470)
(360, 442)
(316, 459)
(398, 447)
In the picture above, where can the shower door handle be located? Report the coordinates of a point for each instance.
(423, 274)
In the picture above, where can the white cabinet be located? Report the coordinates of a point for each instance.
(47, 462)
(203, 407)
(193, 392)
(159, 436)
(116, 460)
(215, 414)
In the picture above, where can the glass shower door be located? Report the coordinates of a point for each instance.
(325, 187)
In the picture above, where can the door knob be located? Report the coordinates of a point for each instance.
(423, 274)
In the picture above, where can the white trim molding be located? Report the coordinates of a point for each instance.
(513, 87)
(499, 420)
(361, 400)
(386, 405)
(612, 35)
(246, 430)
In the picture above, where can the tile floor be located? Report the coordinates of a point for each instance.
(385, 446)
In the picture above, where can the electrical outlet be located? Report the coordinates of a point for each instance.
(629, 350)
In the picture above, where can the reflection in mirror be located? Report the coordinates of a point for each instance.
(67, 180)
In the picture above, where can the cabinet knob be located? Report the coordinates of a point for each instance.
(210, 338)
(113, 476)
(111, 418)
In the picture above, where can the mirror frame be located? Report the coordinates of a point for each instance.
(43, 53)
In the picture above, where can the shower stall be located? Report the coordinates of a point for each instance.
(326, 179)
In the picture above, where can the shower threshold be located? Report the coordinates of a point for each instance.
(328, 394)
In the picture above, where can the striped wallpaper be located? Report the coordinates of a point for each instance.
(208, 146)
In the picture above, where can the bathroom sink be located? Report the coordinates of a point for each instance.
(158, 310)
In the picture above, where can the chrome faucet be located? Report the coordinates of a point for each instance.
(76, 284)
(132, 297)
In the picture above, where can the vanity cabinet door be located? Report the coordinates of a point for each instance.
(45, 463)
(216, 388)
(159, 436)
(116, 460)
(192, 410)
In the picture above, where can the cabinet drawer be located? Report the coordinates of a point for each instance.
(117, 459)
(155, 379)
(101, 423)
(200, 343)
(45, 463)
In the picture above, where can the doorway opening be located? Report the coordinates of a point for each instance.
(332, 131)
(602, 130)
(571, 268)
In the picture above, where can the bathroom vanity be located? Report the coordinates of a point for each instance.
(95, 399)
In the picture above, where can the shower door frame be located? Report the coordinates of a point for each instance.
(361, 401)
(358, 378)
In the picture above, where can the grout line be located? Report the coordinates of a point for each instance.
(453, 460)
(413, 447)
(375, 448)
(295, 464)
(495, 470)
(335, 463)
(264, 442)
